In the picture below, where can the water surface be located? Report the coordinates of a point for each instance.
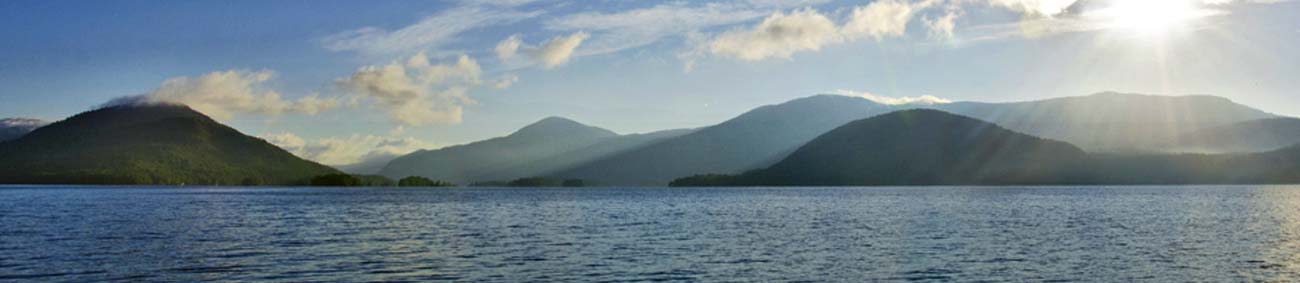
(1060, 234)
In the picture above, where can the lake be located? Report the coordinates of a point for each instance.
(1059, 234)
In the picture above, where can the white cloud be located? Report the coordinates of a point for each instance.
(550, 54)
(508, 47)
(223, 94)
(417, 92)
(882, 18)
(905, 100)
(505, 81)
(942, 27)
(558, 50)
(1037, 7)
(346, 150)
(429, 33)
(778, 36)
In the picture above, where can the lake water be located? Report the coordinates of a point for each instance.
(1057, 234)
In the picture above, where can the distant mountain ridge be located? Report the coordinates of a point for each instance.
(750, 140)
(148, 144)
(1249, 136)
(539, 148)
(1112, 121)
(931, 147)
(12, 128)
(1103, 122)
(915, 147)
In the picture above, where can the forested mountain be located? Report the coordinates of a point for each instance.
(148, 144)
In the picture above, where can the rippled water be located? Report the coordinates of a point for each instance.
(650, 234)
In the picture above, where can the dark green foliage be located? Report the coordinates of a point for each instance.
(252, 181)
(148, 144)
(497, 183)
(573, 183)
(417, 181)
(534, 182)
(706, 180)
(336, 180)
(375, 181)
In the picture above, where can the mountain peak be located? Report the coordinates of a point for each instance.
(22, 122)
(12, 128)
(560, 126)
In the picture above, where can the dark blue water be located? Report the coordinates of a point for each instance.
(513, 235)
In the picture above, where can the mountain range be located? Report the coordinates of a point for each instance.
(777, 144)
(931, 147)
(148, 144)
(541, 148)
(1112, 121)
(1104, 122)
(13, 128)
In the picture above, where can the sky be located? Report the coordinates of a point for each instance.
(342, 82)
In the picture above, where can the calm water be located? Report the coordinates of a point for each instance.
(512, 235)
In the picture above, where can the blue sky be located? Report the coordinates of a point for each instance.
(344, 81)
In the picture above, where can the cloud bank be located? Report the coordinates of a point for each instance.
(354, 149)
(223, 94)
(417, 92)
(887, 100)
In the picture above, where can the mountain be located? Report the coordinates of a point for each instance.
(13, 128)
(148, 144)
(918, 147)
(1281, 166)
(749, 141)
(1110, 121)
(1249, 136)
(568, 160)
(475, 161)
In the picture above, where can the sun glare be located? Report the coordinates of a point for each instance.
(1151, 16)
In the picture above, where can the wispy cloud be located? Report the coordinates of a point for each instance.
(432, 32)
(780, 35)
(223, 94)
(550, 54)
(904, 100)
(348, 150)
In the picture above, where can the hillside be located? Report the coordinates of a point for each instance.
(1249, 136)
(13, 128)
(918, 147)
(1112, 122)
(478, 161)
(148, 144)
(749, 141)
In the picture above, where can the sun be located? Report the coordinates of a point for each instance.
(1150, 16)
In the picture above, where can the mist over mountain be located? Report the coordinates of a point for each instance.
(748, 141)
(479, 160)
(568, 160)
(148, 144)
(930, 147)
(915, 147)
(1249, 136)
(12, 128)
(1110, 121)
